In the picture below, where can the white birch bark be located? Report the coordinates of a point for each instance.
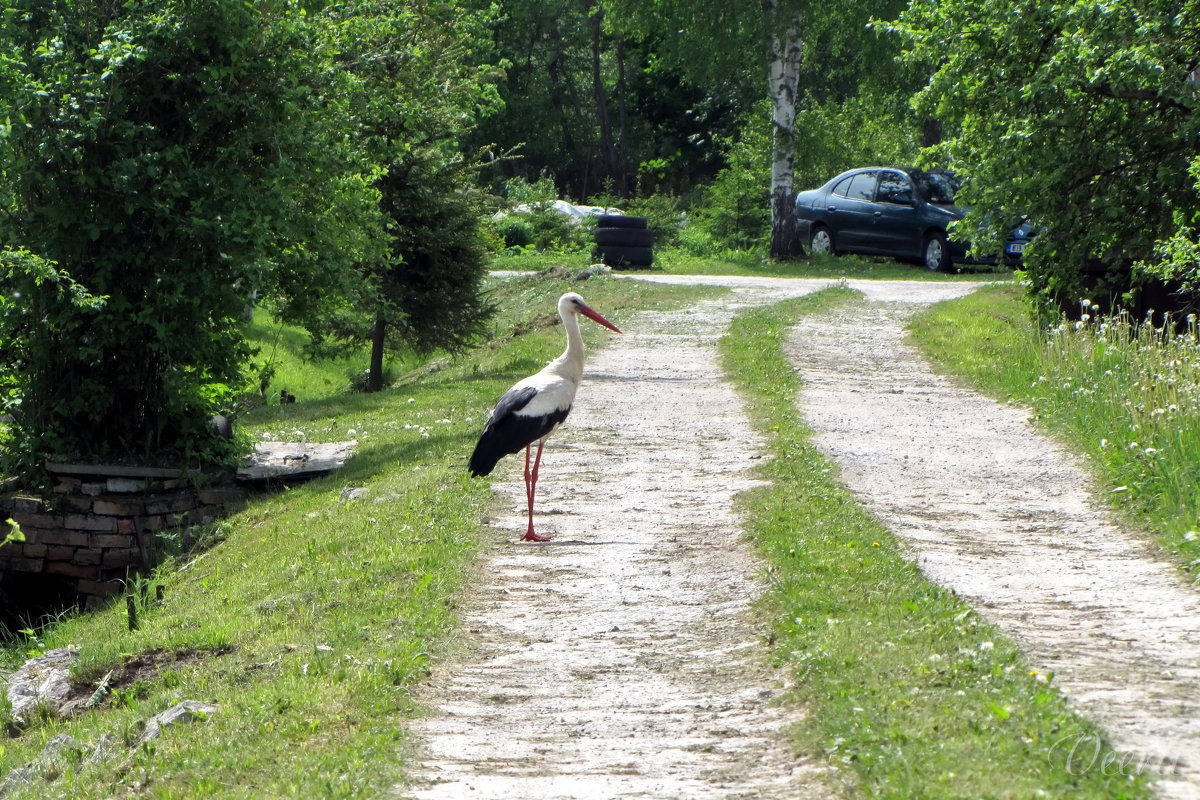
(784, 74)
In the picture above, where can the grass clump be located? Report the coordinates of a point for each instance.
(1122, 392)
(312, 616)
(911, 693)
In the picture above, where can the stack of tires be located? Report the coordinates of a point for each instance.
(624, 242)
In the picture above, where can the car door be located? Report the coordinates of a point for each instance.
(896, 231)
(851, 205)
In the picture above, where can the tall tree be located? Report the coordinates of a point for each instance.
(1077, 114)
(417, 88)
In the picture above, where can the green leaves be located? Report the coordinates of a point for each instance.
(1076, 114)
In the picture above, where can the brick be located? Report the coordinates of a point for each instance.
(63, 536)
(121, 558)
(126, 526)
(86, 555)
(221, 495)
(67, 485)
(105, 541)
(176, 483)
(34, 550)
(27, 565)
(81, 522)
(69, 569)
(125, 485)
(26, 504)
(156, 523)
(92, 489)
(40, 520)
(171, 504)
(121, 508)
(77, 503)
(99, 588)
(59, 552)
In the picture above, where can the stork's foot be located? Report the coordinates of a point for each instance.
(530, 536)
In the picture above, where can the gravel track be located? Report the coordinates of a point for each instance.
(621, 660)
(1005, 516)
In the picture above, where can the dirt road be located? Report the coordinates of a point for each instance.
(622, 660)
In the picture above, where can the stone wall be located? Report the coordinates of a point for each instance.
(94, 531)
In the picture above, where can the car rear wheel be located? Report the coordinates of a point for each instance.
(936, 253)
(821, 241)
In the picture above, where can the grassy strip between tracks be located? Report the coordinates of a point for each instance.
(911, 693)
(311, 615)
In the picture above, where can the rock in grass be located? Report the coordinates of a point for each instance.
(184, 713)
(56, 752)
(43, 682)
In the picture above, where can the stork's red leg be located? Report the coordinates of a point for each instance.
(530, 489)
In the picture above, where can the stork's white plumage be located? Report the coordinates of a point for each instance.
(534, 407)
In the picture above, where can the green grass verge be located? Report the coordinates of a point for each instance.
(1125, 397)
(676, 262)
(311, 617)
(911, 693)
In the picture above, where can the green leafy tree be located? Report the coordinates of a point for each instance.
(1079, 115)
(418, 85)
(170, 157)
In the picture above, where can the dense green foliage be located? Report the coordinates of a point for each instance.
(177, 159)
(1077, 114)
(160, 154)
(417, 92)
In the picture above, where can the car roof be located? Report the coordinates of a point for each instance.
(910, 171)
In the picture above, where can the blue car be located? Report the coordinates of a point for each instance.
(902, 212)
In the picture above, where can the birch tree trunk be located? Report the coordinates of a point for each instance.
(784, 72)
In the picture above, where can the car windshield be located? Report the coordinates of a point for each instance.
(937, 187)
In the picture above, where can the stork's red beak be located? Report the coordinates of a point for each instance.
(590, 314)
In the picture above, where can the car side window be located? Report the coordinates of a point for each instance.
(843, 187)
(894, 188)
(862, 187)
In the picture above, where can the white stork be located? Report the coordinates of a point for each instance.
(534, 408)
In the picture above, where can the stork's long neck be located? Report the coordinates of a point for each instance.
(570, 363)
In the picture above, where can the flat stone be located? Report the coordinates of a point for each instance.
(111, 470)
(295, 460)
(184, 713)
(125, 485)
(42, 681)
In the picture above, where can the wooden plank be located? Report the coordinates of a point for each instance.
(293, 461)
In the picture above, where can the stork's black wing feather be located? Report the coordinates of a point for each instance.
(508, 432)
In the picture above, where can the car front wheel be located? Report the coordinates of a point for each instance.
(821, 241)
(936, 253)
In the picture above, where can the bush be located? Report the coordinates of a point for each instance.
(162, 164)
(537, 225)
